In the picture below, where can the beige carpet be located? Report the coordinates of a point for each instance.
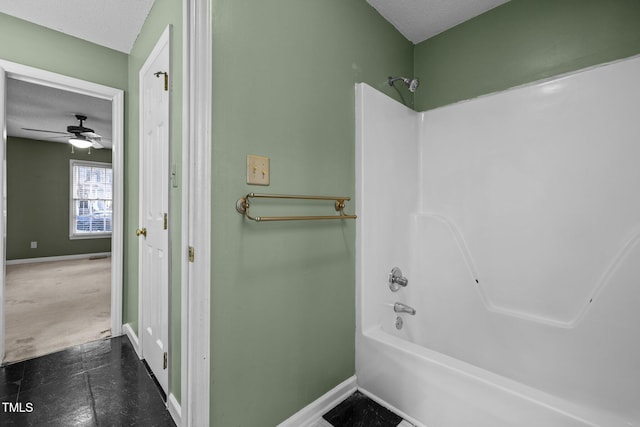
(50, 306)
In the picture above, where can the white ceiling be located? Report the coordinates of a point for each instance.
(111, 23)
(419, 20)
(40, 107)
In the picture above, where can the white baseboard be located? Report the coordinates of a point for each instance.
(174, 409)
(309, 415)
(126, 328)
(56, 258)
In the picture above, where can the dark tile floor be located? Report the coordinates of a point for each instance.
(102, 383)
(360, 411)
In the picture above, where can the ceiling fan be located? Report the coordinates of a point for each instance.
(79, 135)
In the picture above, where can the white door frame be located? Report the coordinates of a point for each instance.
(3, 216)
(116, 96)
(164, 41)
(196, 211)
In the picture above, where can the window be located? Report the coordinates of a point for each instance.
(91, 199)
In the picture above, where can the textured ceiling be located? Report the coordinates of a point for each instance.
(41, 107)
(419, 20)
(111, 23)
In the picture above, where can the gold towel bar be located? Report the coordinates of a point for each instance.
(242, 206)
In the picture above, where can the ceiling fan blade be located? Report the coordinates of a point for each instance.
(97, 145)
(42, 130)
(91, 135)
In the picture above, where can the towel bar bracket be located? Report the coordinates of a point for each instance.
(242, 205)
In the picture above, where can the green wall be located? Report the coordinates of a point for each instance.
(523, 41)
(283, 294)
(163, 13)
(38, 199)
(40, 47)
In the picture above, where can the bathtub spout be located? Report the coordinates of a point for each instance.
(403, 308)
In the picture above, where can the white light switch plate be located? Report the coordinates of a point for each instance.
(257, 170)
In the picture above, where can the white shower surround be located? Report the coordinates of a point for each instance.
(533, 193)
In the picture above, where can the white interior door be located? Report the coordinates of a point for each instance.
(154, 210)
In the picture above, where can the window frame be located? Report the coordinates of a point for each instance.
(73, 235)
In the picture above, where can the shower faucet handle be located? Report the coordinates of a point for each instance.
(397, 280)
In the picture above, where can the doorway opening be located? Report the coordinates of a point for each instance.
(64, 246)
(59, 220)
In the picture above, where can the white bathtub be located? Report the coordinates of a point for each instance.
(434, 390)
(515, 218)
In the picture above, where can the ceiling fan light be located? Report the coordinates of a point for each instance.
(80, 142)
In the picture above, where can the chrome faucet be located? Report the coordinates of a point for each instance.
(397, 280)
(403, 308)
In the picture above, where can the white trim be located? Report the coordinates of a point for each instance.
(135, 343)
(184, 226)
(116, 96)
(117, 233)
(309, 415)
(37, 76)
(90, 236)
(90, 163)
(196, 211)
(57, 258)
(174, 409)
(3, 202)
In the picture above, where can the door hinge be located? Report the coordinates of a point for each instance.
(166, 79)
(164, 360)
(166, 222)
(192, 255)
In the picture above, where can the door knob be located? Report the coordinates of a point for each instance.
(141, 231)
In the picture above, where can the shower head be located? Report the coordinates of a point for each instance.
(412, 84)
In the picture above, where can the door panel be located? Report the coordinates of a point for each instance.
(154, 205)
